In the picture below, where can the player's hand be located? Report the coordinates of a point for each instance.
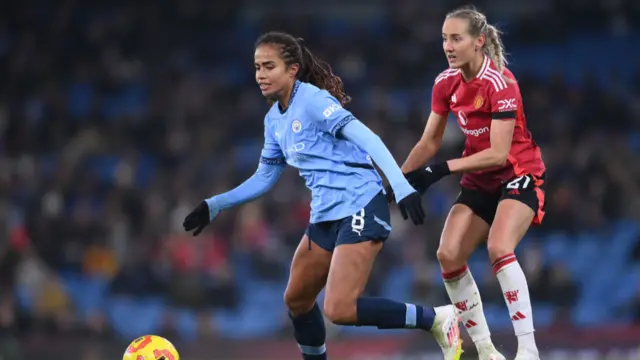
(199, 218)
(422, 179)
(411, 207)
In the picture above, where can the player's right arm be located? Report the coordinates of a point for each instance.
(271, 166)
(272, 163)
(431, 138)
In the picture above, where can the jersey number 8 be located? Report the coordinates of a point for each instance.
(357, 222)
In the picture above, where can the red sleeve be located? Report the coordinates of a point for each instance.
(439, 99)
(505, 98)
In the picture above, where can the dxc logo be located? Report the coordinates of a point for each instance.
(507, 104)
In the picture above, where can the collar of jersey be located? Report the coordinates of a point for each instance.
(296, 85)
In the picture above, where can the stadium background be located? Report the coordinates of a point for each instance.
(117, 117)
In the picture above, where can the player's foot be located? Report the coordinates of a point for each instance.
(527, 354)
(489, 352)
(446, 330)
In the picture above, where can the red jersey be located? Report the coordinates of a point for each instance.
(476, 104)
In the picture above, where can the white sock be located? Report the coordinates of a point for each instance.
(464, 294)
(516, 295)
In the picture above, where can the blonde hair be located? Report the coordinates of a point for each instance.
(478, 24)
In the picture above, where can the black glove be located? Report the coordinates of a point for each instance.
(411, 207)
(422, 179)
(197, 219)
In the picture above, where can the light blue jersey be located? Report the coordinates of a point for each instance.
(333, 152)
(339, 174)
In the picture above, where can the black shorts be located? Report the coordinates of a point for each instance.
(527, 189)
(370, 223)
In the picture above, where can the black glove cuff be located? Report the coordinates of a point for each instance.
(441, 169)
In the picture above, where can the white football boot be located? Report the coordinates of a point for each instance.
(446, 330)
(489, 352)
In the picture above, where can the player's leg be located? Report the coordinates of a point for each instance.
(351, 265)
(516, 212)
(467, 226)
(308, 276)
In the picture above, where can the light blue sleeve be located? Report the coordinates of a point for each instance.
(359, 134)
(272, 164)
(327, 112)
(257, 185)
(271, 151)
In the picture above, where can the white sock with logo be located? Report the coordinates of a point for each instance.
(516, 295)
(464, 294)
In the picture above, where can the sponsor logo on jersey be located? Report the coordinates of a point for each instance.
(475, 132)
(462, 117)
(294, 152)
(507, 105)
(331, 109)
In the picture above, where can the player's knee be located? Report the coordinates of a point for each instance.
(297, 303)
(498, 248)
(340, 311)
(450, 258)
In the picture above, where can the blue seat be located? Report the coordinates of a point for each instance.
(497, 316)
(398, 283)
(543, 315)
(556, 247)
(587, 250)
(86, 292)
(248, 322)
(187, 324)
(134, 317)
(589, 313)
(24, 298)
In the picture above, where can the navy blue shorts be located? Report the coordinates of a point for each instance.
(370, 223)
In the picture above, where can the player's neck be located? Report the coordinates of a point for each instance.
(283, 101)
(471, 70)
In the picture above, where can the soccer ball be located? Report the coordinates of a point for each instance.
(151, 347)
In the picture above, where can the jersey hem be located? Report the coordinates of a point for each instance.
(341, 215)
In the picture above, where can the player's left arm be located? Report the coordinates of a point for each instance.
(504, 107)
(327, 112)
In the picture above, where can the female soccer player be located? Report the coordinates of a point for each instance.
(308, 128)
(502, 171)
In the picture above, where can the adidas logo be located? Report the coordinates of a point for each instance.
(469, 324)
(518, 316)
(429, 169)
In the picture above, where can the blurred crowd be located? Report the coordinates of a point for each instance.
(116, 118)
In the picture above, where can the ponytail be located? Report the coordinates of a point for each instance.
(319, 73)
(494, 48)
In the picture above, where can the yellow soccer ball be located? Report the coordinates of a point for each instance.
(151, 347)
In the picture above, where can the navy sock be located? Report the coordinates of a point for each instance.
(389, 314)
(310, 334)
